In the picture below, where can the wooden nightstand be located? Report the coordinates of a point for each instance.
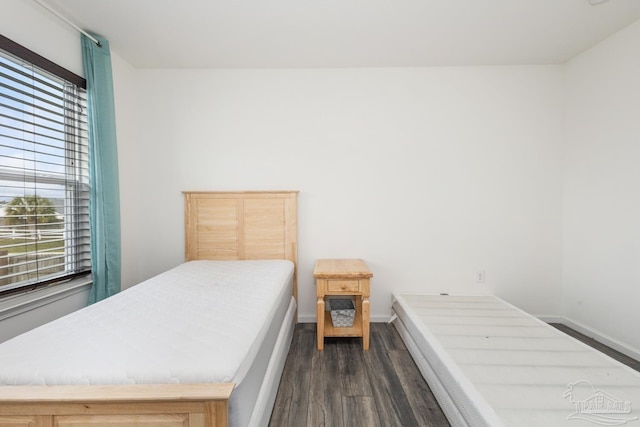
(347, 277)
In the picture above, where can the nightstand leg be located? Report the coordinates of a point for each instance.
(365, 323)
(320, 325)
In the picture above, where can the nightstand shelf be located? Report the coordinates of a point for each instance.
(343, 277)
(331, 331)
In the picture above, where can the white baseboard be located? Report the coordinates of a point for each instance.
(305, 318)
(551, 319)
(577, 326)
(623, 348)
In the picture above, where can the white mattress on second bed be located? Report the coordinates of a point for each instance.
(500, 366)
(201, 322)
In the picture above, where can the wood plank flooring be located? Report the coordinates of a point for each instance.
(620, 357)
(344, 386)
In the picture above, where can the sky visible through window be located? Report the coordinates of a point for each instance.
(32, 134)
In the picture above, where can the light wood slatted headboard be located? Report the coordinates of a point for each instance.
(242, 225)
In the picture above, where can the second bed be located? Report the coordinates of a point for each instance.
(490, 364)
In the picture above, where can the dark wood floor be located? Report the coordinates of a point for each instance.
(344, 386)
(620, 357)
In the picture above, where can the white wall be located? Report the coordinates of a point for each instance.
(427, 174)
(130, 160)
(601, 225)
(30, 25)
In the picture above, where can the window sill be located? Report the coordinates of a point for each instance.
(21, 303)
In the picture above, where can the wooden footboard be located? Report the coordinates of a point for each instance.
(162, 405)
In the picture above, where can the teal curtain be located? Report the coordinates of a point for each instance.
(104, 205)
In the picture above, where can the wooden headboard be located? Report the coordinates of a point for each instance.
(241, 225)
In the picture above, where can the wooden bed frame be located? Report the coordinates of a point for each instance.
(218, 225)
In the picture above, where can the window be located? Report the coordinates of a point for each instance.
(44, 176)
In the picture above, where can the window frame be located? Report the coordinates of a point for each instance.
(38, 61)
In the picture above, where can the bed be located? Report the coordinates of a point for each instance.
(491, 364)
(202, 344)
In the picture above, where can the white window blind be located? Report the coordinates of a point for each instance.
(44, 183)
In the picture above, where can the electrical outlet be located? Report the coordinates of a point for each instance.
(480, 276)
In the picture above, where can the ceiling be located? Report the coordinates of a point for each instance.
(348, 33)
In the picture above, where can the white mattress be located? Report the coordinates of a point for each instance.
(201, 322)
(491, 364)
